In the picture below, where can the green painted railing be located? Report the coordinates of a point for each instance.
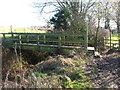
(50, 40)
(40, 40)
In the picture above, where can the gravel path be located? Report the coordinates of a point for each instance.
(105, 71)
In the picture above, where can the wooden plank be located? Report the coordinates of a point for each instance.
(42, 45)
(45, 40)
(111, 43)
(50, 40)
(90, 48)
(50, 34)
(111, 40)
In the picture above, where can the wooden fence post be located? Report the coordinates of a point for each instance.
(119, 44)
(110, 43)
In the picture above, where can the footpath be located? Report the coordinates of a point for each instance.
(105, 71)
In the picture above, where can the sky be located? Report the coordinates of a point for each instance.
(20, 13)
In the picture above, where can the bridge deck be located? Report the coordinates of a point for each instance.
(43, 45)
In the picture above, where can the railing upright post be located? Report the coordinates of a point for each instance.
(27, 38)
(38, 38)
(59, 41)
(20, 37)
(11, 31)
(44, 39)
(64, 39)
(4, 37)
(12, 35)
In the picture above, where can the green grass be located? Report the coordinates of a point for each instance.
(80, 80)
(114, 37)
(18, 30)
(39, 74)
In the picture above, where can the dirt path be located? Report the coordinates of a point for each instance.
(105, 71)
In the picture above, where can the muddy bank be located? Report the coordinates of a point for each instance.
(53, 72)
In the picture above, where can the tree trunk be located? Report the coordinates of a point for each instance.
(110, 37)
(118, 31)
(118, 23)
(96, 36)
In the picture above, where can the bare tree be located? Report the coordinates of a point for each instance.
(77, 8)
(107, 11)
(116, 16)
(97, 14)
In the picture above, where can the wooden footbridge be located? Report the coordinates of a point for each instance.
(43, 41)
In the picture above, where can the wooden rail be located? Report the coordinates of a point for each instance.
(112, 43)
(106, 43)
(45, 41)
(41, 40)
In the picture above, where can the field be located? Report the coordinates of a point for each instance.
(19, 30)
(115, 36)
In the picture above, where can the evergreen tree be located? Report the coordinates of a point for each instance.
(60, 20)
